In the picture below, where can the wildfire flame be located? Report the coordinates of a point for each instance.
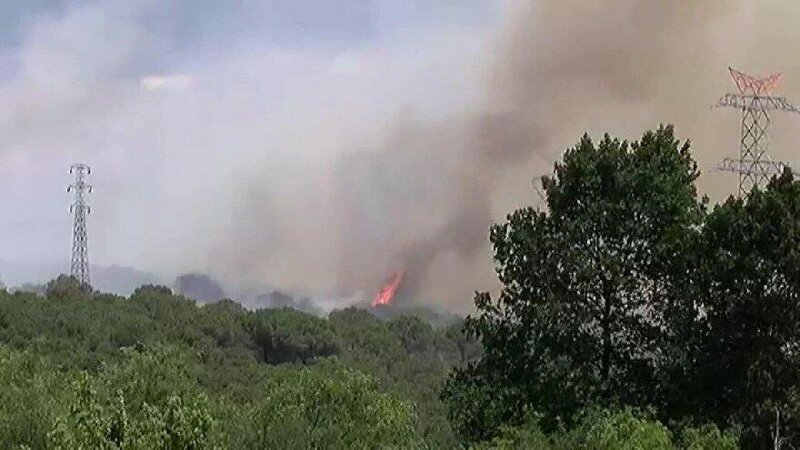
(386, 294)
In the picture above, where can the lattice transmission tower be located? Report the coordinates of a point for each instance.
(80, 250)
(755, 100)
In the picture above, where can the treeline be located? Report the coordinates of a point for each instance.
(629, 293)
(80, 369)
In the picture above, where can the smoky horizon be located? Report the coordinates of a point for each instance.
(344, 154)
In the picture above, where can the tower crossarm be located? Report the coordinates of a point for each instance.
(83, 206)
(751, 85)
(756, 103)
(80, 185)
(749, 166)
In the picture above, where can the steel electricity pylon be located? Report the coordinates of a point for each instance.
(80, 209)
(755, 100)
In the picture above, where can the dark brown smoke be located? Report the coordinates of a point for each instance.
(557, 65)
(423, 200)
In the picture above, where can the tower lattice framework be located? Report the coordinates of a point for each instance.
(80, 250)
(754, 165)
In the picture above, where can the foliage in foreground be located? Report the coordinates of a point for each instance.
(150, 400)
(627, 290)
(80, 366)
(611, 430)
(329, 406)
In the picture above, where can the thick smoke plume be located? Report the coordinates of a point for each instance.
(323, 172)
(424, 199)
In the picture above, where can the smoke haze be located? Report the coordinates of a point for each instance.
(386, 142)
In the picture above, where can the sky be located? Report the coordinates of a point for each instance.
(320, 147)
(172, 102)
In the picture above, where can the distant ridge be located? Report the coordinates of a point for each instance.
(114, 279)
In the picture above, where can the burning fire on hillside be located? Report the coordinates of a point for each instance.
(386, 294)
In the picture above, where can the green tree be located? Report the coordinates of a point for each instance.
(708, 437)
(579, 321)
(150, 357)
(748, 322)
(150, 400)
(407, 358)
(469, 349)
(610, 430)
(152, 288)
(526, 436)
(617, 430)
(287, 335)
(66, 286)
(150, 375)
(31, 396)
(226, 322)
(329, 406)
(416, 335)
(97, 422)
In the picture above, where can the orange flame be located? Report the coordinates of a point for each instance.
(386, 294)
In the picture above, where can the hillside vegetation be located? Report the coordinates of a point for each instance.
(157, 370)
(632, 316)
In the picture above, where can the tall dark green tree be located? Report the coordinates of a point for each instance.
(579, 320)
(287, 335)
(67, 286)
(748, 323)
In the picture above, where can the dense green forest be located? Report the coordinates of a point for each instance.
(156, 370)
(633, 316)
